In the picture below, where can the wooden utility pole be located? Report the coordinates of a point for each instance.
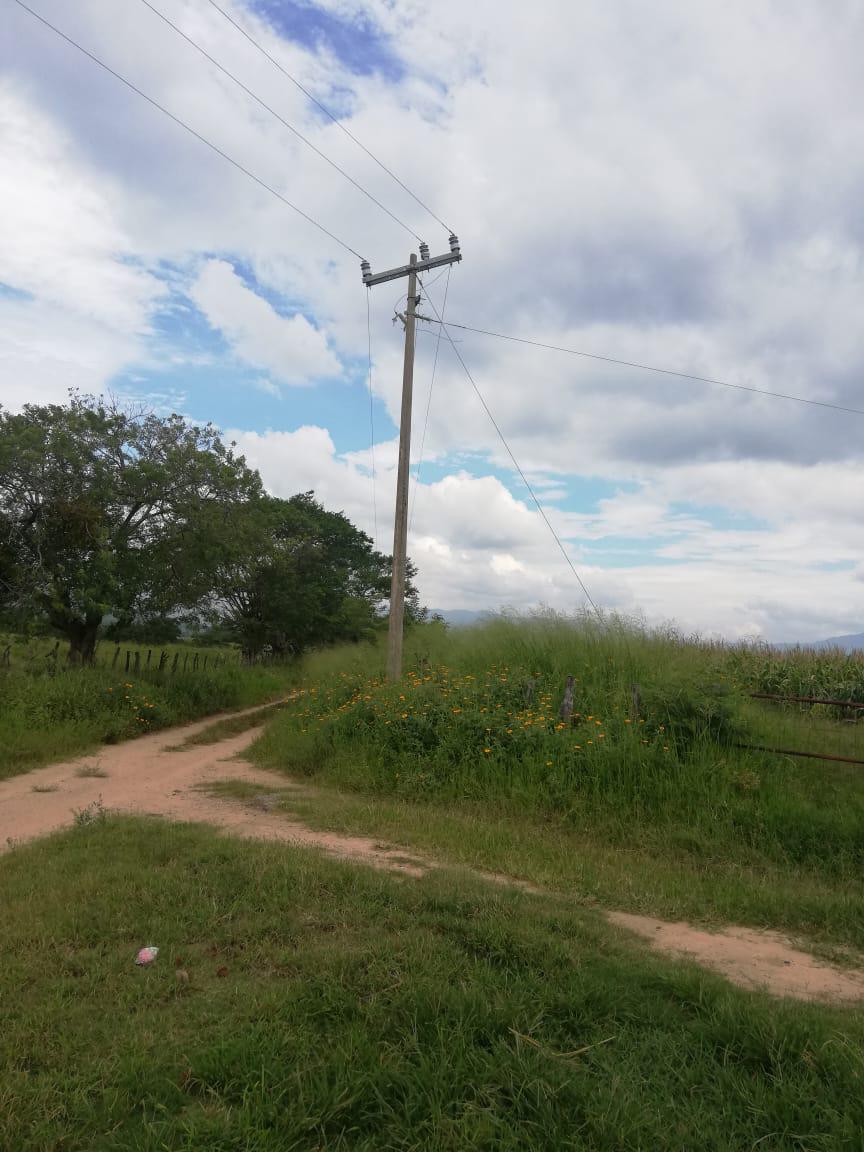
(400, 528)
(395, 630)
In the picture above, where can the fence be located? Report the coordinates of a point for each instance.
(831, 727)
(132, 661)
(830, 733)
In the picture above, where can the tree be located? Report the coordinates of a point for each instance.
(106, 509)
(146, 630)
(300, 576)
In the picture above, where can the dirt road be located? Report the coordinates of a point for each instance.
(147, 777)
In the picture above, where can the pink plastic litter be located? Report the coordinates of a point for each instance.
(146, 955)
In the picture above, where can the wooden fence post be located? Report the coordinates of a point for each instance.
(175, 662)
(128, 658)
(566, 709)
(635, 703)
(185, 660)
(149, 654)
(137, 662)
(163, 659)
(205, 662)
(116, 656)
(195, 662)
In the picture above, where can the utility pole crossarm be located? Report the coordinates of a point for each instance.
(400, 529)
(425, 262)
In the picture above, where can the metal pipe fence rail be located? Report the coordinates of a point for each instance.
(805, 700)
(854, 706)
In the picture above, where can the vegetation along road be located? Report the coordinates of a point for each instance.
(177, 774)
(555, 888)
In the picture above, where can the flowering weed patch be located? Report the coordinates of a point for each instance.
(657, 738)
(499, 734)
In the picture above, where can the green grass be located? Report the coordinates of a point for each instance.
(224, 729)
(335, 1007)
(46, 717)
(475, 722)
(651, 872)
(36, 653)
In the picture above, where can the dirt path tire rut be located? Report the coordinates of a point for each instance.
(151, 776)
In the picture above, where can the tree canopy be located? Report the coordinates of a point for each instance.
(105, 509)
(300, 575)
(116, 514)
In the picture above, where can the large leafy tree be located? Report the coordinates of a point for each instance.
(300, 576)
(106, 509)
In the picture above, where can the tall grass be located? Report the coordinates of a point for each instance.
(48, 715)
(655, 740)
(827, 672)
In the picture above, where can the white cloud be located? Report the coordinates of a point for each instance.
(80, 304)
(679, 185)
(268, 387)
(478, 547)
(289, 347)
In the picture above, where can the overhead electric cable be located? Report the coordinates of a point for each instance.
(654, 368)
(372, 420)
(280, 118)
(503, 439)
(203, 139)
(328, 113)
(431, 387)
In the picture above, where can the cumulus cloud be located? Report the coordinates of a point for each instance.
(677, 186)
(289, 347)
(478, 546)
(79, 304)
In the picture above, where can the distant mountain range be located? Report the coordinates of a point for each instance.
(459, 617)
(852, 643)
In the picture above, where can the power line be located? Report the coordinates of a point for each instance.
(281, 119)
(328, 113)
(503, 440)
(372, 420)
(203, 139)
(654, 368)
(431, 386)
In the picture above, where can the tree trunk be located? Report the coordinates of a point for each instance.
(82, 636)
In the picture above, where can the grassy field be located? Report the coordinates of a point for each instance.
(667, 769)
(49, 715)
(329, 1007)
(36, 653)
(650, 873)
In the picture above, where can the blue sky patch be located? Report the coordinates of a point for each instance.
(7, 292)
(357, 43)
(189, 359)
(719, 518)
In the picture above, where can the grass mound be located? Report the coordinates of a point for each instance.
(655, 738)
(331, 1007)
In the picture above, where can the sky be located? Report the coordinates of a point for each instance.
(674, 184)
